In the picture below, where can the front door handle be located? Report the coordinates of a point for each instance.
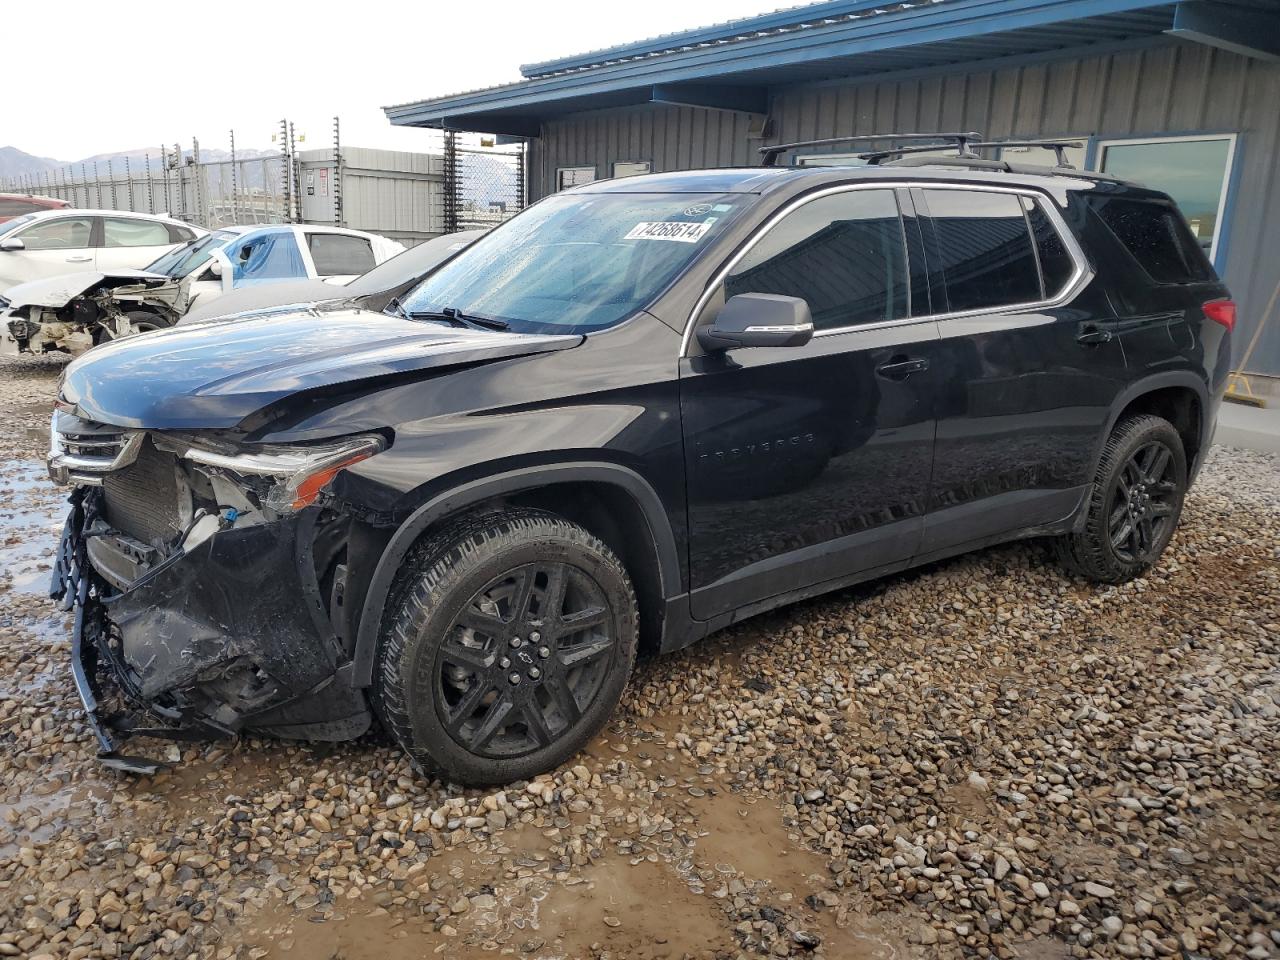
(1091, 335)
(78, 259)
(900, 367)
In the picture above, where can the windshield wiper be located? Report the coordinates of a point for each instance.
(459, 319)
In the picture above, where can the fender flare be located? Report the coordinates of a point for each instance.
(360, 670)
(1149, 384)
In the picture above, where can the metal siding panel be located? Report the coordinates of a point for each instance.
(1029, 114)
(1121, 92)
(1152, 95)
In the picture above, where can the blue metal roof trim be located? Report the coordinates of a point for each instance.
(791, 17)
(797, 55)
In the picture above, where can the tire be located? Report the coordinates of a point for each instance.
(1134, 505)
(144, 321)
(475, 678)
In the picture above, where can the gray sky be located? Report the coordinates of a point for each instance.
(95, 77)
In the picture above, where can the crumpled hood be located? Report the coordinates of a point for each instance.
(212, 376)
(60, 290)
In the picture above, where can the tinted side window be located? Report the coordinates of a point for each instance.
(133, 233)
(984, 247)
(845, 254)
(336, 255)
(179, 234)
(1056, 264)
(64, 233)
(1158, 238)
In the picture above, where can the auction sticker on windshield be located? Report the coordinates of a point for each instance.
(679, 231)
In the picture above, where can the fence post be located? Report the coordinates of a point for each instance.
(337, 175)
(235, 218)
(296, 174)
(451, 184)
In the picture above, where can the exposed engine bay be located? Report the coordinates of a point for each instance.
(104, 307)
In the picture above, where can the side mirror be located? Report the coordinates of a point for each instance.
(12, 245)
(215, 269)
(759, 320)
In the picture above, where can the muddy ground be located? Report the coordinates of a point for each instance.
(982, 758)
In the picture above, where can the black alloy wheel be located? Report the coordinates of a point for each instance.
(506, 644)
(1144, 500)
(523, 658)
(1134, 502)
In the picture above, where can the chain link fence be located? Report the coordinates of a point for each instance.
(483, 186)
(461, 182)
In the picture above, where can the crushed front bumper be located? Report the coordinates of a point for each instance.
(226, 636)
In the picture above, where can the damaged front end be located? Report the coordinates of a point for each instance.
(73, 313)
(207, 579)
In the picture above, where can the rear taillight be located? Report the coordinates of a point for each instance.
(1221, 311)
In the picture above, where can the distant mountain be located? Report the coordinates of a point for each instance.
(15, 163)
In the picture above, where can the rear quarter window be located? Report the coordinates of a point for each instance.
(985, 249)
(1157, 237)
(337, 255)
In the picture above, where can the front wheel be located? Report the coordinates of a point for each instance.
(508, 643)
(1134, 504)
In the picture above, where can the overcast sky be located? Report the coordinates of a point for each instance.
(85, 77)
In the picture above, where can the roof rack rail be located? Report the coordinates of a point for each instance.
(1059, 147)
(769, 155)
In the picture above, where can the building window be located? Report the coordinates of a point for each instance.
(574, 176)
(1193, 170)
(631, 168)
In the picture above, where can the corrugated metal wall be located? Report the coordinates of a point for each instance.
(396, 194)
(1171, 88)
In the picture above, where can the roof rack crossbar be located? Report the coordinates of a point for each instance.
(1059, 147)
(769, 155)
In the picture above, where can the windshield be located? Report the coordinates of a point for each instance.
(10, 225)
(577, 262)
(180, 261)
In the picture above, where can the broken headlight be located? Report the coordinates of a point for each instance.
(296, 474)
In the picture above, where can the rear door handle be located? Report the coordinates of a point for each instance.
(1092, 336)
(900, 367)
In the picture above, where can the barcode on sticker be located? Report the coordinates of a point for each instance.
(680, 231)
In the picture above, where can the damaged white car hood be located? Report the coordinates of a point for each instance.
(60, 290)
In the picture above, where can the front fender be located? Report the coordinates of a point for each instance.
(457, 499)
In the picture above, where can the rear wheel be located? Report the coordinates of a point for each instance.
(508, 643)
(1135, 502)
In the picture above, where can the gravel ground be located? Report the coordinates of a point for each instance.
(983, 758)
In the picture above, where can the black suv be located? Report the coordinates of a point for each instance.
(639, 411)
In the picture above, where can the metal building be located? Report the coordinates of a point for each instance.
(1180, 95)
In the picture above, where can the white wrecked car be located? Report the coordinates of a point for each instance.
(74, 311)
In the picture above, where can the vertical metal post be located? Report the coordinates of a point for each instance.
(97, 186)
(151, 200)
(451, 185)
(286, 174)
(111, 174)
(164, 168)
(522, 176)
(199, 190)
(182, 187)
(296, 174)
(337, 175)
(128, 177)
(234, 213)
